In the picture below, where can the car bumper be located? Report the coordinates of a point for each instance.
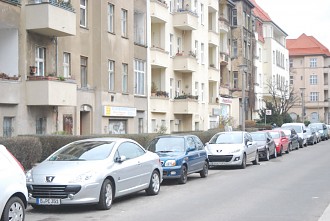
(225, 160)
(88, 194)
(171, 172)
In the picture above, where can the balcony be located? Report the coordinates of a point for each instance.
(159, 104)
(214, 38)
(214, 74)
(158, 11)
(223, 25)
(159, 57)
(50, 18)
(185, 20)
(185, 106)
(184, 63)
(224, 89)
(10, 91)
(224, 58)
(54, 92)
(213, 5)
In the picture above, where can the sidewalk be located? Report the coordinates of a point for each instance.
(326, 214)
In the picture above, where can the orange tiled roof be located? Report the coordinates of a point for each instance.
(259, 12)
(306, 45)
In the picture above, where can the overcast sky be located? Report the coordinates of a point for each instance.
(296, 17)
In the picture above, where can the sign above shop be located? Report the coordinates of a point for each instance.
(110, 111)
(226, 100)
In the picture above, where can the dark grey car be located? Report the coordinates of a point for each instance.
(265, 143)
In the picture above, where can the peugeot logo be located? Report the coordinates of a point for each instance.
(49, 179)
(219, 151)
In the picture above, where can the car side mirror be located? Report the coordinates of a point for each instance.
(120, 159)
(191, 149)
(304, 131)
(249, 143)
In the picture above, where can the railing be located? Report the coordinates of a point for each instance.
(64, 4)
(13, 2)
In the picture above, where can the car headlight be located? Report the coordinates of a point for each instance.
(28, 176)
(170, 163)
(235, 151)
(84, 177)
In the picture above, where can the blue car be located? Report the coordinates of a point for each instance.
(180, 155)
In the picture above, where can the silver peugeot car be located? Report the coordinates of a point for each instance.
(94, 171)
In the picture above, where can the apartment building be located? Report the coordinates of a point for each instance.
(271, 60)
(309, 76)
(78, 67)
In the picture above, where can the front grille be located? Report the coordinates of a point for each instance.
(221, 158)
(53, 191)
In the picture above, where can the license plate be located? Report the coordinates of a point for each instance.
(48, 201)
(217, 163)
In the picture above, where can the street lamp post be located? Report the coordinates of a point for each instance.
(243, 68)
(302, 104)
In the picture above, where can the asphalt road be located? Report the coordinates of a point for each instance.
(294, 187)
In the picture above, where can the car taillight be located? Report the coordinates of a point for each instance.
(20, 165)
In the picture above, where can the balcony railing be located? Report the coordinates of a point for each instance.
(58, 3)
(13, 2)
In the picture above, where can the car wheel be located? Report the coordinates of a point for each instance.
(267, 157)
(14, 209)
(205, 171)
(154, 185)
(281, 151)
(275, 153)
(184, 175)
(106, 195)
(243, 164)
(289, 148)
(256, 161)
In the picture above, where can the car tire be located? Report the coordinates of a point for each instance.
(14, 209)
(281, 151)
(154, 185)
(289, 149)
(205, 171)
(267, 157)
(243, 164)
(106, 195)
(275, 154)
(184, 175)
(256, 161)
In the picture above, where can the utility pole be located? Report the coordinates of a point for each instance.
(243, 68)
(302, 104)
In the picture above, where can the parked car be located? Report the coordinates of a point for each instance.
(265, 143)
(180, 155)
(317, 133)
(300, 128)
(311, 136)
(94, 171)
(13, 200)
(234, 148)
(292, 135)
(322, 129)
(282, 142)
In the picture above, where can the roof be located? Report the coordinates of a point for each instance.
(259, 12)
(306, 45)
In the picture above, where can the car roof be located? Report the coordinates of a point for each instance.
(113, 139)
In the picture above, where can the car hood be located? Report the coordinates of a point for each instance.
(260, 143)
(163, 155)
(62, 171)
(223, 149)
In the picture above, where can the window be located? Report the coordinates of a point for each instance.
(66, 65)
(83, 71)
(153, 125)
(83, 13)
(67, 124)
(260, 54)
(291, 80)
(196, 88)
(202, 14)
(202, 53)
(41, 125)
(111, 73)
(234, 48)
(313, 79)
(171, 6)
(40, 61)
(8, 126)
(178, 88)
(141, 130)
(202, 92)
(312, 62)
(235, 79)
(130, 150)
(123, 22)
(125, 78)
(139, 28)
(314, 96)
(234, 17)
(179, 45)
(171, 88)
(111, 17)
(274, 57)
(139, 71)
(171, 45)
(196, 49)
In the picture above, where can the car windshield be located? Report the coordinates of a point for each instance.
(82, 151)
(258, 136)
(275, 135)
(287, 133)
(295, 127)
(317, 126)
(167, 144)
(227, 138)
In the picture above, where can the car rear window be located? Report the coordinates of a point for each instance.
(258, 136)
(167, 144)
(275, 135)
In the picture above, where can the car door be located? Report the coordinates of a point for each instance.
(284, 140)
(250, 149)
(129, 171)
(294, 138)
(202, 155)
(192, 154)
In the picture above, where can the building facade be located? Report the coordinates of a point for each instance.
(309, 76)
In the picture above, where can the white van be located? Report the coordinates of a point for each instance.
(300, 128)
